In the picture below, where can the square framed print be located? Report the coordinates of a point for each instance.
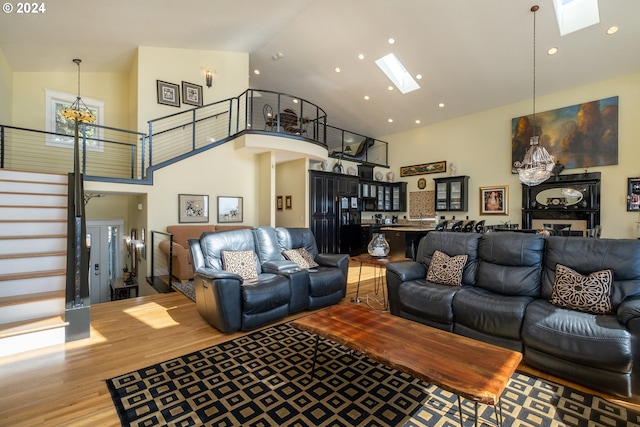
(494, 200)
(229, 209)
(633, 194)
(168, 93)
(193, 208)
(192, 94)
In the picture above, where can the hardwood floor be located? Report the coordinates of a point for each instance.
(64, 385)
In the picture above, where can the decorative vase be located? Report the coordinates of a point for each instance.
(378, 246)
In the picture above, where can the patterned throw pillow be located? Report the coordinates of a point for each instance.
(446, 270)
(590, 294)
(301, 257)
(240, 262)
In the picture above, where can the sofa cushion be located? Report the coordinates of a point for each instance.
(446, 270)
(301, 257)
(596, 340)
(452, 244)
(241, 263)
(510, 263)
(591, 294)
(427, 300)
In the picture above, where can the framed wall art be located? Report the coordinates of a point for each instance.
(191, 94)
(279, 202)
(229, 209)
(633, 194)
(287, 202)
(168, 93)
(494, 200)
(193, 208)
(423, 169)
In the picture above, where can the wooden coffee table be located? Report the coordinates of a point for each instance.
(472, 369)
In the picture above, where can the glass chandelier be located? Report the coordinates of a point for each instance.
(537, 165)
(78, 111)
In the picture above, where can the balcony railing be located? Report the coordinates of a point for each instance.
(110, 154)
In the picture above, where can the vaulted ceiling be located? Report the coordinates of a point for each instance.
(472, 55)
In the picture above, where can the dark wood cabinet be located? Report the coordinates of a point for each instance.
(323, 210)
(452, 194)
(379, 196)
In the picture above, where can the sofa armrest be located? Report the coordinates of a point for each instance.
(219, 299)
(332, 260)
(211, 274)
(407, 270)
(629, 310)
(284, 266)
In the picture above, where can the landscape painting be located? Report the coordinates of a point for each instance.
(579, 136)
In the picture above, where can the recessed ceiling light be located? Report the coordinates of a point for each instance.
(552, 51)
(295, 100)
(256, 72)
(418, 76)
(337, 69)
(612, 30)
(418, 122)
(390, 120)
(390, 87)
(397, 73)
(361, 56)
(441, 105)
(366, 97)
(391, 40)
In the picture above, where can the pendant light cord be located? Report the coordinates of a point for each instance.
(534, 9)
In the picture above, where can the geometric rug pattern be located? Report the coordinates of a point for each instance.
(186, 288)
(262, 379)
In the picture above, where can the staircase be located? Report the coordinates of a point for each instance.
(33, 252)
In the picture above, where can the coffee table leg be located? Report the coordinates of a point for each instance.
(315, 353)
(498, 408)
(460, 411)
(357, 300)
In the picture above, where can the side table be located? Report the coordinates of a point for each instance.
(379, 274)
(122, 290)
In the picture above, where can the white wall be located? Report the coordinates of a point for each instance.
(6, 90)
(480, 146)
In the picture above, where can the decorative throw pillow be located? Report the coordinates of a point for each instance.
(446, 270)
(241, 263)
(301, 257)
(590, 294)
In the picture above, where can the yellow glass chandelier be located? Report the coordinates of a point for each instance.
(78, 111)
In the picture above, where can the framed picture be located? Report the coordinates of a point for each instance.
(633, 194)
(423, 169)
(279, 202)
(193, 208)
(494, 200)
(287, 202)
(192, 94)
(168, 93)
(229, 209)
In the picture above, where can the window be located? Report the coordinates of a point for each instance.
(60, 125)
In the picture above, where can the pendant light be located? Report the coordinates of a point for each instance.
(78, 110)
(537, 165)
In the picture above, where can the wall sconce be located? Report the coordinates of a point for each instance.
(208, 77)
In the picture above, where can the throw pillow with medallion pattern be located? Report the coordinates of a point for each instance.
(300, 256)
(590, 294)
(241, 263)
(446, 270)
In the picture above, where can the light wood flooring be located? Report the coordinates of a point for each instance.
(65, 385)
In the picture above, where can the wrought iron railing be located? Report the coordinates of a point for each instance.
(110, 154)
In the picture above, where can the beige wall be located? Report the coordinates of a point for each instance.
(6, 90)
(177, 65)
(292, 179)
(480, 146)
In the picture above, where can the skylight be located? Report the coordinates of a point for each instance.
(574, 15)
(395, 71)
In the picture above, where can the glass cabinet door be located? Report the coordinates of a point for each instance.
(441, 196)
(455, 195)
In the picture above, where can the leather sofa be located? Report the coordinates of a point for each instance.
(231, 302)
(178, 246)
(507, 285)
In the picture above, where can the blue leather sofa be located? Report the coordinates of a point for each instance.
(230, 302)
(504, 299)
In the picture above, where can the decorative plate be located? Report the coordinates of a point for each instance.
(379, 176)
(422, 183)
(351, 170)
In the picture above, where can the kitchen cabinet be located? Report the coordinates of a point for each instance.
(379, 196)
(323, 210)
(452, 193)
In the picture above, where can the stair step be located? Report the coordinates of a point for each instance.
(29, 298)
(32, 255)
(33, 284)
(33, 213)
(32, 228)
(32, 274)
(22, 264)
(35, 236)
(39, 200)
(14, 175)
(30, 326)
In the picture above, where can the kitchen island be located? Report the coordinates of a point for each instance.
(404, 239)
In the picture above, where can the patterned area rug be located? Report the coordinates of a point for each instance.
(186, 288)
(262, 379)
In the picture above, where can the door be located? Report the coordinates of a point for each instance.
(98, 267)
